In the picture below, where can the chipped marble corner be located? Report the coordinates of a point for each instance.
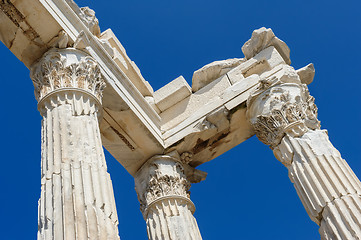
(63, 40)
(193, 175)
(306, 74)
(216, 120)
(263, 38)
(87, 16)
(213, 71)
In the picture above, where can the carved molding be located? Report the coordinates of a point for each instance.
(66, 69)
(277, 108)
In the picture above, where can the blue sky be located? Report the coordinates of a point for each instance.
(247, 194)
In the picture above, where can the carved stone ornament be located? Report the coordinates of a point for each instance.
(161, 177)
(87, 15)
(186, 157)
(161, 186)
(66, 69)
(276, 109)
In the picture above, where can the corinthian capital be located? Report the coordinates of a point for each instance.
(281, 105)
(161, 178)
(66, 69)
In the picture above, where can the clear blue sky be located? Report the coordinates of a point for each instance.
(247, 194)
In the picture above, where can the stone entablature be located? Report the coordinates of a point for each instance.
(213, 118)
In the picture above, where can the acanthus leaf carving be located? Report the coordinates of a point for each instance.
(288, 112)
(56, 71)
(162, 186)
(163, 177)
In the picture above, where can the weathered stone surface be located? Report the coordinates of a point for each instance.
(66, 68)
(306, 73)
(183, 109)
(347, 211)
(192, 125)
(172, 93)
(263, 38)
(278, 108)
(285, 74)
(163, 193)
(87, 15)
(126, 64)
(138, 125)
(119, 59)
(326, 185)
(77, 200)
(193, 118)
(62, 40)
(23, 31)
(131, 127)
(264, 61)
(108, 48)
(284, 116)
(151, 102)
(216, 127)
(235, 75)
(234, 91)
(212, 71)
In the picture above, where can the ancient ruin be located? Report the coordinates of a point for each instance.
(91, 94)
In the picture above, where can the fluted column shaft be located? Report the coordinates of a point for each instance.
(77, 200)
(162, 190)
(326, 185)
(285, 117)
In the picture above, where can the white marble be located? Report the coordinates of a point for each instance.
(261, 39)
(210, 72)
(163, 193)
(77, 200)
(199, 122)
(306, 74)
(284, 116)
(172, 93)
(121, 58)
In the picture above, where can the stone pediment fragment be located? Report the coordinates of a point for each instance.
(306, 73)
(263, 38)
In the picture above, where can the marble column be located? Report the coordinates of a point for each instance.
(163, 194)
(284, 117)
(77, 200)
